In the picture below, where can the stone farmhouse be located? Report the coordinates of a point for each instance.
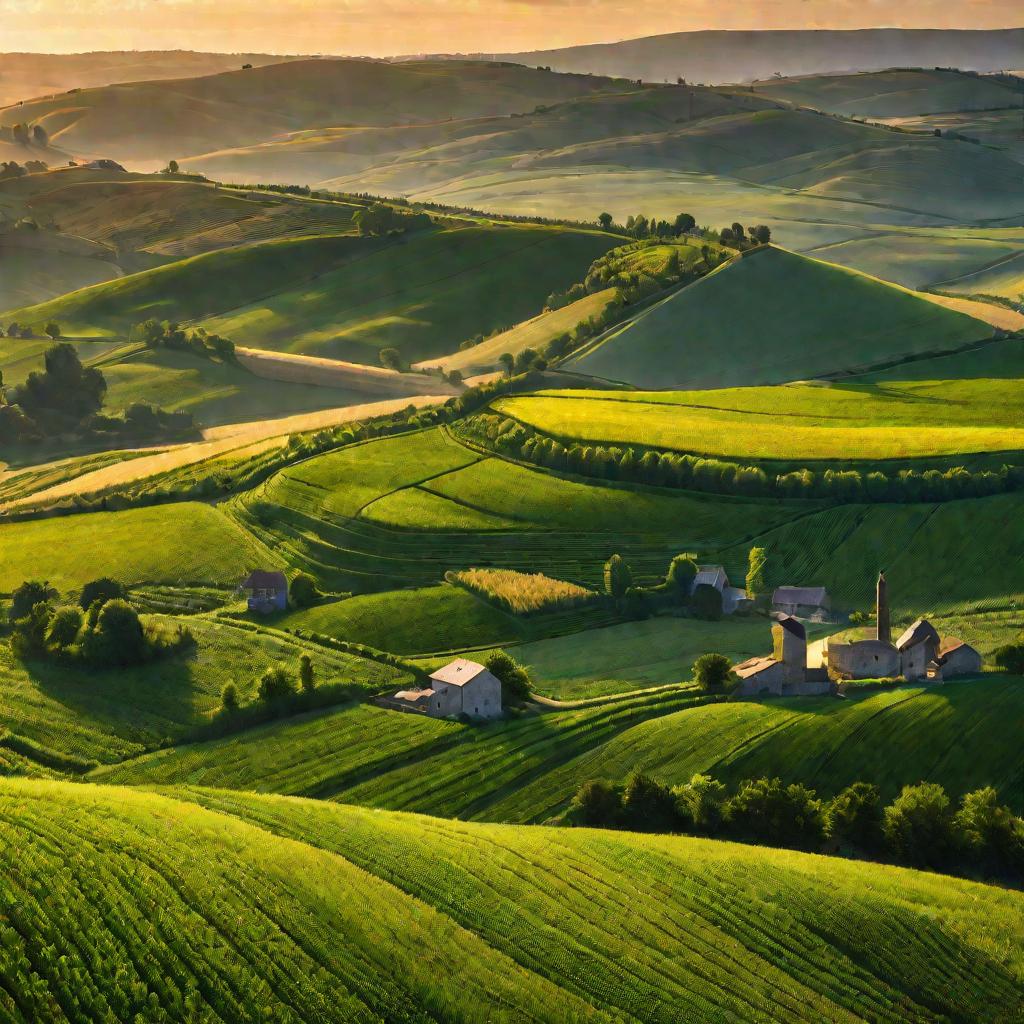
(802, 602)
(462, 687)
(268, 591)
(785, 672)
(919, 653)
(715, 576)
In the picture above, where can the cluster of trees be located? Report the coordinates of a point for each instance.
(514, 679)
(12, 169)
(51, 329)
(640, 226)
(169, 334)
(28, 134)
(675, 592)
(278, 685)
(717, 476)
(66, 397)
(921, 827)
(100, 630)
(738, 237)
(382, 219)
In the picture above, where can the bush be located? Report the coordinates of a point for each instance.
(681, 573)
(118, 637)
(276, 684)
(648, 805)
(765, 810)
(514, 679)
(700, 803)
(104, 589)
(598, 803)
(988, 832)
(307, 676)
(618, 577)
(706, 602)
(229, 698)
(854, 817)
(304, 590)
(712, 671)
(64, 627)
(29, 636)
(918, 825)
(27, 596)
(1010, 658)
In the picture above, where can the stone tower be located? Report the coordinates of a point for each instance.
(883, 631)
(790, 648)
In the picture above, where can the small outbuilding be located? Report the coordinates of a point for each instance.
(733, 598)
(802, 602)
(268, 591)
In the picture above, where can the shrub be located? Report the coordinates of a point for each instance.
(765, 810)
(757, 572)
(598, 803)
(104, 589)
(854, 817)
(918, 825)
(712, 671)
(229, 698)
(118, 637)
(514, 679)
(29, 636)
(276, 684)
(706, 602)
(307, 676)
(681, 573)
(700, 803)
(64, 626)
(648, 805)
(304, 590)
(27, 596)
(1010, 658)
(618, 577)
(989, 833)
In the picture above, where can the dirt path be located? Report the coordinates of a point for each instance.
(989, 312)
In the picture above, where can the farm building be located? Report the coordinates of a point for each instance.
(785, 672)
(268, 591)
(919, 653)
(462, 687)
(802, 602)
(715, 576)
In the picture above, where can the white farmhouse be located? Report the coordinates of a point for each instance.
(463, 687)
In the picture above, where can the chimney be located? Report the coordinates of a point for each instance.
(883, 631)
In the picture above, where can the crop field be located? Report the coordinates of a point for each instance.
(534, 333)
(1005, 278)
(520, 592)
(759, 320)
(797, 421)
(188, 542)
(21, 483)
(112, 714)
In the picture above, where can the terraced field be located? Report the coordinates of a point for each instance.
(894, 420)
(255, 907)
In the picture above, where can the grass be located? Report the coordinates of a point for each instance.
(759, 320)
(108, 715)
(893, 420)
(188, 542)
(522, 593)
(534, 333)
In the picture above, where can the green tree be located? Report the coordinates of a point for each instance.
(27, 596)
(1010, 658)
(712, 671)
(765, 810)
(918, 825)
(706, 602)
(682, 571)
(172, 166)
(648, 805)
(989, 832)
(701, 802)
(854, 817)
(605, 220)
(684, 222)
(508, 361)
(757, 572)
(104, 589)
(229, 698)
(52, 330)
(514, 679)
(28, 638)
(304, 590)
(64, 626)
(276, 684)
(307, 675)
(391, 359)
(117, 638)
(598, 803)
(618, 577)
(761, 234)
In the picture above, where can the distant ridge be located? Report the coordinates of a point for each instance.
(720, 56)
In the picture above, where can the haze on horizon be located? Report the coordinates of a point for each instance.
(389, 27)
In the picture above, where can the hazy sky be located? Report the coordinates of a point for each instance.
(383, 27)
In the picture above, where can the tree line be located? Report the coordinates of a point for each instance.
(170, 334)
(510, 437)
(920, 828)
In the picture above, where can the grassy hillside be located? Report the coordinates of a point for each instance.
(760, 320)
(899, 92)
(894, 420)
(345, 297)
(526, 770)
(147, 121)
(348, 908)
(187, 542)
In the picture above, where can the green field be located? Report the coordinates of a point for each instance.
(760, 320)
(340, 897)
(109, 715)
(181, 543)
(893, 420)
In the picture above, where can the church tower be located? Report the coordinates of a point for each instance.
(883, 631)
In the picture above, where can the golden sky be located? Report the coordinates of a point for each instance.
(385, 27)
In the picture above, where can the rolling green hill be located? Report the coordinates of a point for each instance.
(760, 320)
(298, 911)
(153, 121)
(346, 297)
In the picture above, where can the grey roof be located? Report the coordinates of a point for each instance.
(458, 672)
(800, 595)
(794, 626)
(264, 579)
(754, 666)
(711, 576)
(917, 633)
